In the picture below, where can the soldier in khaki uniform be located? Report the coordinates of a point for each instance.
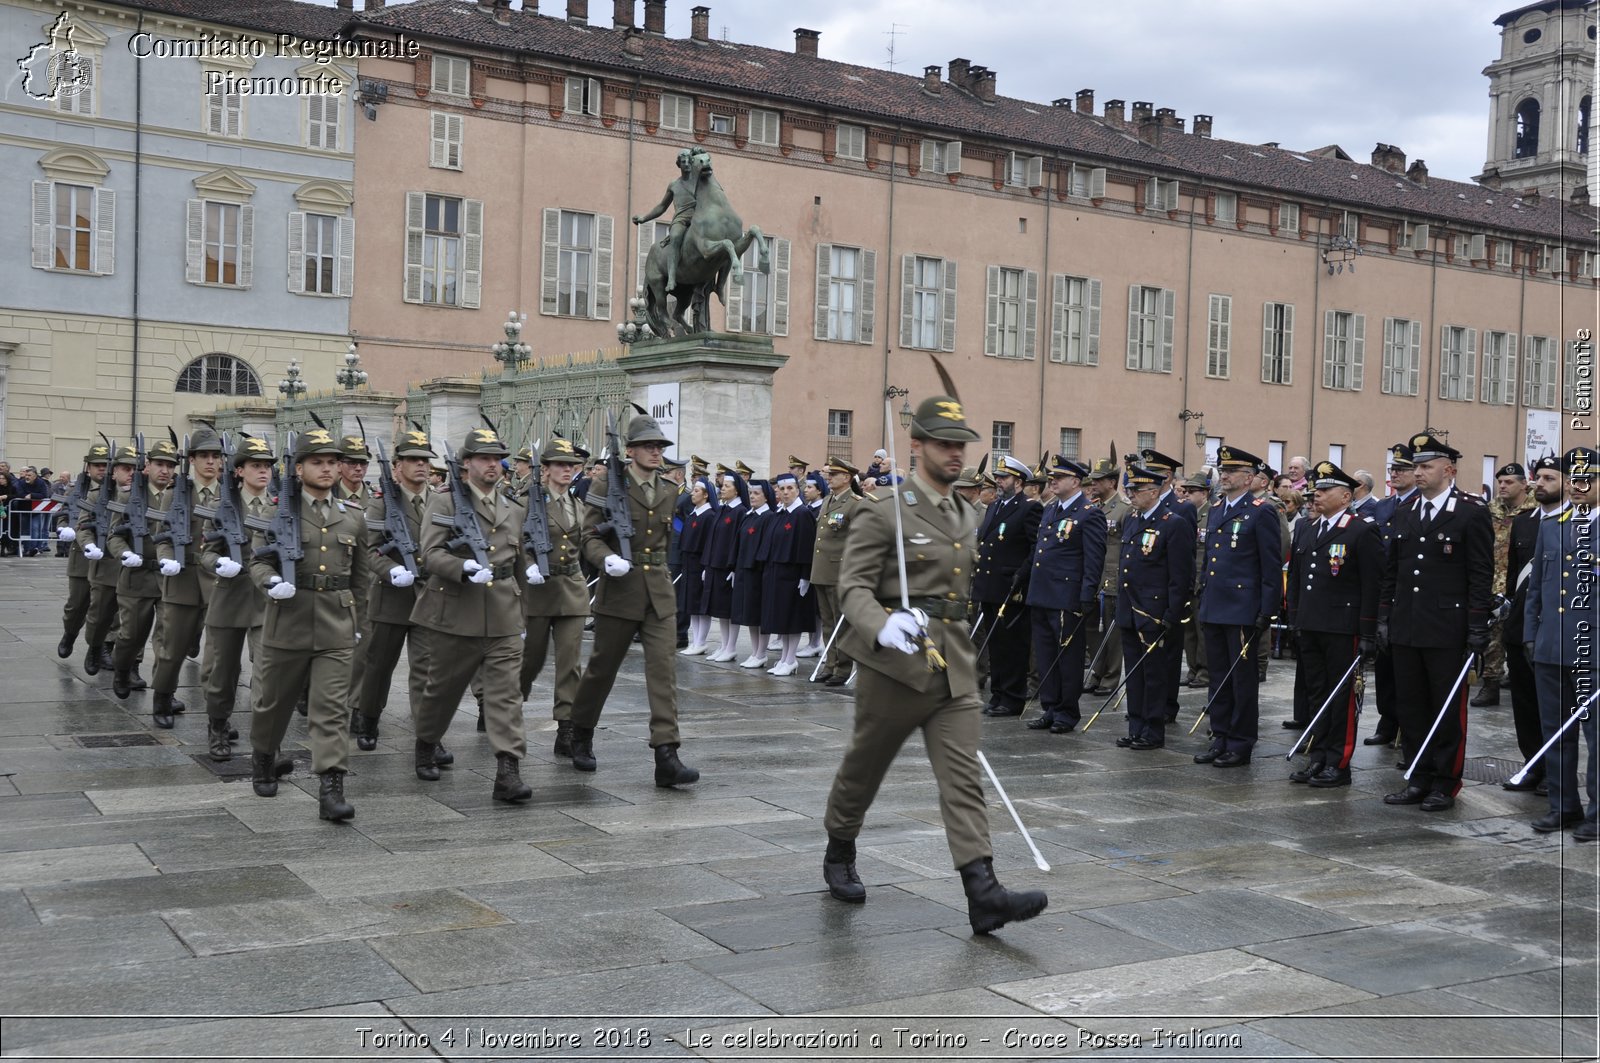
(393, 595)
(79, 567)
(100, 630)
(310, 630)
(833, 527)
(557, 605)
(1107, 652)
(353, 491)
(238, 607)
(900, 688)
(633, 598)
(1512, 498)
(185, 584)
(469, 616)
(139, 585)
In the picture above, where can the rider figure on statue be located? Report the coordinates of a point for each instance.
(680, 196)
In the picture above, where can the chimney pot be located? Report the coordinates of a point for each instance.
(983, 84)
(531, 6)
(633, 41)
(1114, 113)
(930, 79)
(1418, 173)
(1061, 101)
(1202, 125)
(1389, 158)
(502, 12)
(374, 5)
(700, 23)
(1168, 117)
(655, 17)
(346, 5)
(805, 41)
(958, 71)
(577, 12)
(1142, 109)
(622, 14)
(1085, 101)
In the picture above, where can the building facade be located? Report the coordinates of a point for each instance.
(1540, 89)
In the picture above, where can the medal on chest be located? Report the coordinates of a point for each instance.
(1147, 541)
(1064, 528)
(1336, 556)
(1002, 532)
(1233, 533)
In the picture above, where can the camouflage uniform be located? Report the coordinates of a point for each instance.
(1494, 658)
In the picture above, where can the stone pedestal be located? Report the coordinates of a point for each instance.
(375, 412)
(453, 408)
(712, 393)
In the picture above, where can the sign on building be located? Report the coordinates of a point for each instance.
(662, 401)
(1542, 435)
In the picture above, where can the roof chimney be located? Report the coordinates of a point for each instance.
(1388, 157)
(502, 12)
(1062, 101)
(1086, 101)
(655, 17)
(1142, 109)
(805, 41)
(1418, 172)
(1114, 114)
(983, 84)
(1168, 118)
(957, 72)
(531, 6)
(1530, 197)
(577, 12)
(622, 14)
(1202, 126)
(346, 5)
(633, 42)
(930, 79)
(374, 5)
(700, 23)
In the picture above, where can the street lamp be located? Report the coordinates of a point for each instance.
(292, 387)
(511, 352)
(631, 332)
(1200, 426)
(351, 376)
(905, 405)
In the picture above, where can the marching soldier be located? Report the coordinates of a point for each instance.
(309, 630)
(1113, 508)
(238, 607)
(899, 691)
(100, 630)
(79, 567)
(1157, 570)
(556, 607)
(1064, 592)
(833, 531)
(185, 585)
(1433, 611)
(469, 617)
(1000, 584)
(522, 477)
(352, 489)
(1335, 568)
(633, 598)
(1237, 598)
(1512, 498)
(1549, 492)
(139, 584)
(1403, 478)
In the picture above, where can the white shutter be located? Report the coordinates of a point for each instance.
(1470, 364)
(947, 308)
(1058, 317)
(1030, 313)
(235, 113)
(438, 139)
(991, 316)
(594, 97)
(454, 125)
(952, 157)
(1036, 172)
(574, 95)
(472, 253)
(1549, 376)
(1288, 343)
(1169, 314)
(1358, 352)
(1421, 240)
(416, 218)
(1391, 358)
(105, 231)
(1133, 326)
(908, 290)
(780, 286)
(215, 123)
(43, 236)
(345, 274)
(1444, 361)
(1414, 356)
(1329, 337)
(247, 245)
(1097, 183)
(1476, 249)
(194, 261)
(867, 310)
(1266, 343)
(824, 280)
(734, 307)
(930, 156)
(605, 236)
(297, 251)
(1092, 342)
(1508, 391)
(549, 260)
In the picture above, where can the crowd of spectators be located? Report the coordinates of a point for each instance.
(25, 532)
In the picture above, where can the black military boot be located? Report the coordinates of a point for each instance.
(281, 765)
(563, 746)
(365, 729)
(583, 748)
(1488, 694)
(64, 648)
(137, 681)
(481, 726)
(330, 797)
(990, 905)
(91, 660)
(107, 656)
(442, 756)
(839, 872)
(178, 706)
(263, 774)
(217, 739)
(121, 684)
(161, 710)
(670, 770)
(427, 770)
(508, 784)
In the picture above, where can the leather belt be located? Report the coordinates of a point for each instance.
(937, 608)
(504, 570)
(650, 557)
(320, 582)
(571, 568)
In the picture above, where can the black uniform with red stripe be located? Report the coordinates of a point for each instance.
(1334, 579)
(1437, 585)
(1522, 546)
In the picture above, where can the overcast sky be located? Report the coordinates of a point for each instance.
(1302, 72)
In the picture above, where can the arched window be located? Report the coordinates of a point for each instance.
(1527, 129)
(1583, 126)
(218, 374)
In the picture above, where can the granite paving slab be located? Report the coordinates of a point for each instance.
(1421, 1025)
(1218, 919)
(1071, 886)
(15, 911)
(154, 799)
(1167, 833)
(1405, 845)
(1376, 897)
(1557, 933)
(45, 867)
(535, 826)
(1569, 990)
(659, 849)
(108, 897)
(808, 835)
(111, 778)
(104, 943)
(802, 872)
(110, 830)
(310, 921)
(682, 811)
(381, 873)
(63, 718)
(591, 896)
(225, 845)
(1225, 866)
(1517, 878)
(30, 809)
(769, 922)
(44, 761)
(269, 816)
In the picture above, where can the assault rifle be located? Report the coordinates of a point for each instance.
(619, 516)
(283, 530)
(536, 526)
(464, 522)
(101, 506)
(76, 499)
(398, 542)
(134, 523)
(180, 512)
(227, 520)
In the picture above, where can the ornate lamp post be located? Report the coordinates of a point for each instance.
(292, 387)
(351, 376)
(631, 332)
(511, 352)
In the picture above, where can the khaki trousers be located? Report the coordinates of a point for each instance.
(284, 674)
(886, 714)
(180, 629)
(219, 668)
(568, 634)
(446, 668)
(358, 666)
(612, 637)
(837, 662)
(77, 607)
(101, 626)
(382, 654)
(135, 619)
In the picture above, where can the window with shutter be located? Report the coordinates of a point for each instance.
(1502, 252)
(471, 253)
(851, 142)
(452, 75)
(1160, 194)
(1277, 343)
(1402, 356)
(1538, 372)
(1497, 380)
(219, 239)
(224, 115)
(1087, 182)
(1289, 217)
(1457, 355)
(322, 122)
(1001, 436)
(441, 250)
(822, 323)
(1219, 328)
(764, 127)
(941, 156)
(1343, 350)
(1477, 247)
(320, 253)
(1350, 225)
(416, 235)
(1008, 332)
(780, 286)
(677, 112)
(68, 227)
(869, 295)
(575, 252)
(77, 95)
(922, 302)
(1227, 208)
(444, 149)
(1024, 171)
(1151, 323)
(1030, 314)
(583, 96)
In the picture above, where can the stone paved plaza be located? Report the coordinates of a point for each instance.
(151, 905)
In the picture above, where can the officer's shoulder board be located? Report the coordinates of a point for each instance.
(340, 503)
(1344, 520)
(1258, 501)
(1466, 496)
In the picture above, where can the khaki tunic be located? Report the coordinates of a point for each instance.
(556, 608)
(184, 596)
(388, 607)
(833, 528)
(138, 589)
(233, 623)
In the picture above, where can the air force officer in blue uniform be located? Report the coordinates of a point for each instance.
(1068, 557)
(1157, 572)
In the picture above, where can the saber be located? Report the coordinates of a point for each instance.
(1122, 686)
(1306, 734)
(976, 624)
(1038, 857)
(823, 656)
(1000, 614)
(1581, 712)
(1048, 672)
(1244, 650)
(1437, 720)
(936, 662)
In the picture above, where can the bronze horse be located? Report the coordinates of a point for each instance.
(713, 250)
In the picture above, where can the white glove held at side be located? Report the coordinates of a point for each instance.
(170, 567)
(901, 632)
(228, 568)
(93, 552)
(280, 590)
(131, 560)
(66, 535)
(400, 576)
(616, 566)
(535, 577)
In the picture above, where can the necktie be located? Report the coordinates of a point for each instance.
(205, 497)
(949, 512)
(649, 492)
(1427, 513)
(320, 508)
(416, 508)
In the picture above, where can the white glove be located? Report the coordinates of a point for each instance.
(93, 552)
(280, 590)
(131, 560)
(616, 566)
(475, 572)
(901, 632)
(66, 535)
(805, 585)
(170, 567)
(228, 568)
(535, 577)
(400, 576)
(730, 577)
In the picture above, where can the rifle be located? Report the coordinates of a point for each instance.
(75, 501)
(464, 521)
(179, 531)
(619, 517)
(283, 530)
(398, 544)
(134, 523)
(101, 507)
(536, 527)
(228, 518)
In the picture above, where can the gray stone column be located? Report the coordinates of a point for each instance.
(452, 409)
(723, 407)
(376, 414)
